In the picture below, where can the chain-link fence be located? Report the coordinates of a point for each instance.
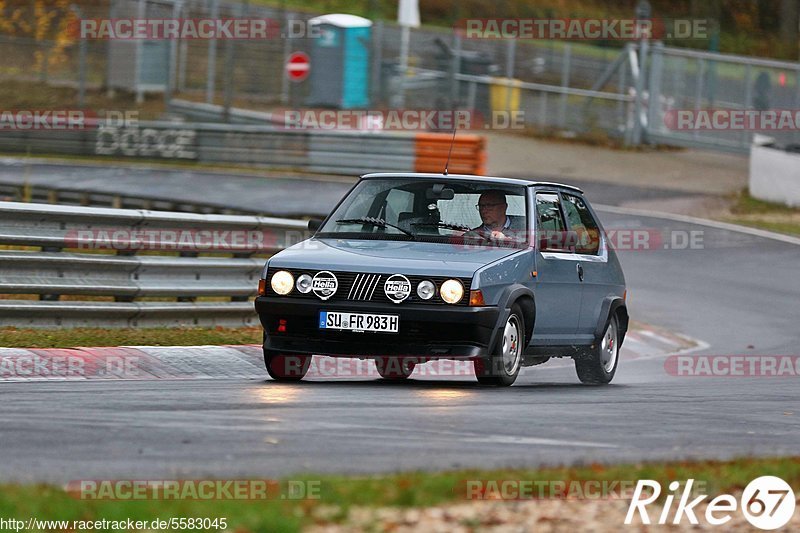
(577, 88)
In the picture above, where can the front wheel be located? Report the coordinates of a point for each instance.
(286, 367)
(502, 368)
(603, 358)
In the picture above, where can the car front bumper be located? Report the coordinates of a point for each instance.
(425, 331)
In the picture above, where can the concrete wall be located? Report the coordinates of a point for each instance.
(775, 175)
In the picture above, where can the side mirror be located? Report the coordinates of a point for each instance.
(314, 224)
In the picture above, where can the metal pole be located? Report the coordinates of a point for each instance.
(81, 62)
(287, 50)
(173, 57)
(455, 69)
(510, 56)
(565, 72)
(377, 59)
(639, 102)
(230, 58)
(472, 93)
(748, 97)
(656, 66)
(183, 49)
(623, 88)
(139, 56)
(543, 111)
(405, 38)
(698, 93)
(796, 99)
(212, 58)
(643, 11)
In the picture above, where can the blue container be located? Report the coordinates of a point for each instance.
(340, 59)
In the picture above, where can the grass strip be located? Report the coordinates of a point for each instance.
(99, 337)
(339, 493)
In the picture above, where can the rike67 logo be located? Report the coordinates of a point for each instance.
(767, 503)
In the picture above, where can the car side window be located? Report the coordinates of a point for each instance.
(550, 227)
(583, 224)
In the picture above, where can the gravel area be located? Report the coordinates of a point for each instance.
(598, 516)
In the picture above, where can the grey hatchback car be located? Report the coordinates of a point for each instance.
(410, 268)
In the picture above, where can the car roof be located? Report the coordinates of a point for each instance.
(471, 177)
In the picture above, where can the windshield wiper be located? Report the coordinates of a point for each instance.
(445, 225)
(375, 222)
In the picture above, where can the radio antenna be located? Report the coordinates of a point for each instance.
(452, 141)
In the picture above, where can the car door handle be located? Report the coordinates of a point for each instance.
(580, 271)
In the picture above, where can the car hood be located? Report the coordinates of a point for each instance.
(388, 257)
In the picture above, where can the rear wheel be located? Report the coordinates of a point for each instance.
(502, 368)
(287, 367)
(394, 368)
(603, 359)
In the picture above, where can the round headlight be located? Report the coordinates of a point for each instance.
(452, 291)
(282, 282)
(426, 289)
(304, 283)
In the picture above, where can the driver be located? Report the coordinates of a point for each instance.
(497, 225)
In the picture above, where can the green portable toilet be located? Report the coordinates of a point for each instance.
(340, 61)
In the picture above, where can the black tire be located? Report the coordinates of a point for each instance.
(287, 367)
(395, 368)
(600, 364)
(502, 367)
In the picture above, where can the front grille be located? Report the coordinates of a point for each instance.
(366, 287)
(363, 287)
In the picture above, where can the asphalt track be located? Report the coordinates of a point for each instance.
(738, 294)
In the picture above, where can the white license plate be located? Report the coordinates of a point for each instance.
(359, 322)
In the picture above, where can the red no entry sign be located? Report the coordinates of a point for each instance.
(298, 66)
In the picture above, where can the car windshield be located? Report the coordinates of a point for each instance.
(446, 211)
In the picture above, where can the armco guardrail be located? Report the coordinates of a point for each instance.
(119, 267)
(333, 152)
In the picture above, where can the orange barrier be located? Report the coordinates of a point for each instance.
(468, 157)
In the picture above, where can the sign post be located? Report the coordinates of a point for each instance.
(407, 17)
